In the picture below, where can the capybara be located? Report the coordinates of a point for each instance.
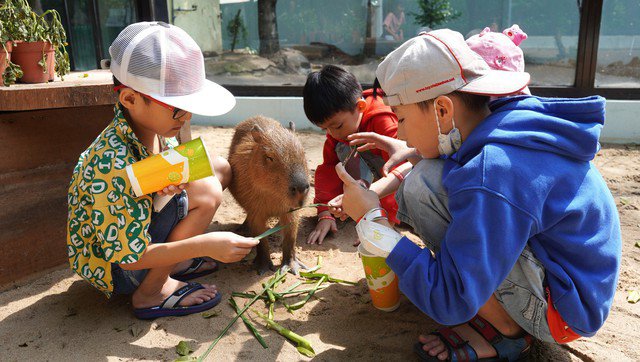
(270, 177)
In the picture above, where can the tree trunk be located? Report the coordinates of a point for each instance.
(268, 27)
(369, 49)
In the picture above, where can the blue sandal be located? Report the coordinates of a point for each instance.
(508, 349)
(169, 307)
(190, 272)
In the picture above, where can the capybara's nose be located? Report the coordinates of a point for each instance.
(300, 189)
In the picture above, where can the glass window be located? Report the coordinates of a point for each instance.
(619, 45)
(114, 16)
(357, 34)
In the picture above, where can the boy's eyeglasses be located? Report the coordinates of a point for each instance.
(177, 112)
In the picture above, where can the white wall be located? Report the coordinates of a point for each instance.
(203, 24)
(622, 124)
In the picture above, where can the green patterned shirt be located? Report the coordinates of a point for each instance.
(106, 223)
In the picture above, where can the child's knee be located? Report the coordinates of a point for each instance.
(205, 194)
(222, 171)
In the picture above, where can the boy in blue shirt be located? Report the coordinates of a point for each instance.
(524, 231)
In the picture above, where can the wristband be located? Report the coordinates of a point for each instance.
(398, 175)
(374, 214)
(326, 217)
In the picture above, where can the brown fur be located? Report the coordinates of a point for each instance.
(270, 177)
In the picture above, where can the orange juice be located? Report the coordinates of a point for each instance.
(382, 281)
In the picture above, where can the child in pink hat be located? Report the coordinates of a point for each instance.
(501, 51)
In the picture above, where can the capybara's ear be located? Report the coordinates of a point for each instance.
(256, 133)
(292, 127)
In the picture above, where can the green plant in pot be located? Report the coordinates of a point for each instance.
(10, 28)
(39, 41)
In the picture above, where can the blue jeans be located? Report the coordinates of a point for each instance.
(423, 203)
(162, 223)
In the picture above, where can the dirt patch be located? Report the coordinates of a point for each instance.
(59, 317)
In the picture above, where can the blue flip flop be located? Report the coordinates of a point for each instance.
(190, 272)
(169, 307)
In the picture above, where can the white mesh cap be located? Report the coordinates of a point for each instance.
(164, 62)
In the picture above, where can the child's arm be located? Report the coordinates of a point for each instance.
(390, 183)
(224, 246)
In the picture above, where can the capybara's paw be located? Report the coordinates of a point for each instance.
(263, 265)
(294, 265)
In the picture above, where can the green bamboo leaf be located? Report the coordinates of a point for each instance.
(185, 358)
(249, 325)
(210, 314)
(280, 274)
(633, 297)
(638, 244)
(273, 230)
(183, 348)
(302, 344)
(307, 351)
(301, 303)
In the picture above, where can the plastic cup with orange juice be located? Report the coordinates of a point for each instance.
(184, 163)
(382, 281)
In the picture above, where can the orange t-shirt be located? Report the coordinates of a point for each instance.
(560, 330)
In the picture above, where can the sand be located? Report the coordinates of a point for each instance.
(58, 317)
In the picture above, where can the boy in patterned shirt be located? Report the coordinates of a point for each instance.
(115, 240)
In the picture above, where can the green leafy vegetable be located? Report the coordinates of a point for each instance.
(183, 348)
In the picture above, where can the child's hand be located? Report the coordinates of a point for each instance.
(322, 229)
(397, 149)
(172, 189)
(335, 208)
(357, 199)
(227, 247)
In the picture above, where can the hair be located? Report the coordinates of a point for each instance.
(329, 91)
(474, 102)
(116, 83)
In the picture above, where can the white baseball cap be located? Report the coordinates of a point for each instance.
(440, 62)
(164, 62)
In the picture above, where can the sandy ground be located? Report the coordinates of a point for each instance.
(59, 317)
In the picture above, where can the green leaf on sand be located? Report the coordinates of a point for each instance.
(638, 244)
(210, 314)
(280, 274)
(185, 358)
(302, 344)
(633, 297)
(248, 324)
(183, 348)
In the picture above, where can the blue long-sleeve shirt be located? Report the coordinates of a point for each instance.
(523, 176)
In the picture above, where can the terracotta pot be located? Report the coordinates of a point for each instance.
(4, 60)
(27, 55)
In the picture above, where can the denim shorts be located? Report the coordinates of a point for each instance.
(162, 223)
(423, 203)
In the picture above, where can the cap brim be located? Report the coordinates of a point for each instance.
(498, 83)
(211, 100)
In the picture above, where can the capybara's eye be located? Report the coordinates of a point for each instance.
(268, 158)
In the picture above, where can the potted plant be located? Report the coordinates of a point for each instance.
(39, 41)
(9, 71)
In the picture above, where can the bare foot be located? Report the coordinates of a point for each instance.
(434, 346)
(140, 300)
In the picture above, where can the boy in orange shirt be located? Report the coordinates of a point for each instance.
(334, 101)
